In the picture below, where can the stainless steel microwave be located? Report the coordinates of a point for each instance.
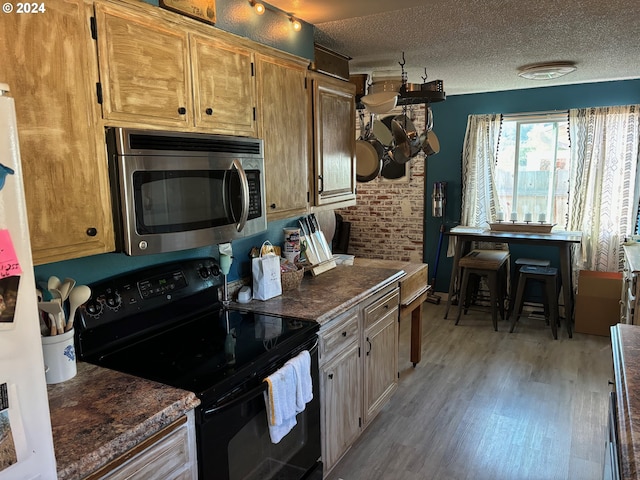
(175, 191)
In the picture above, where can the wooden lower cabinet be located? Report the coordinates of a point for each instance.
(342, 386)
(381, 353)
(170, 454)
(358, 369)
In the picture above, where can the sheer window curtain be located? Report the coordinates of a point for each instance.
(603, 197)
(479, 193)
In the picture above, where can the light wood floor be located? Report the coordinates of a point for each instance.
(490, 405)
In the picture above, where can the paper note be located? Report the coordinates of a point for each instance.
(9, 265)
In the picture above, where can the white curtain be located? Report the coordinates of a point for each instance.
(479, 192)
(602, 184)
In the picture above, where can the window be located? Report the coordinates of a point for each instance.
(532, 168)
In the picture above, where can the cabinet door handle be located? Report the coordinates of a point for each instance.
(344, 334)
(330, 376)
(182, 111)
(370, 346)
(209, 111)
(92, 231)
(320, 184)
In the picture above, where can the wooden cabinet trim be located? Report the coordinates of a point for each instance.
(150, 441)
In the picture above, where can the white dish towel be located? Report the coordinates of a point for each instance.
(304, 385)
(288, 391)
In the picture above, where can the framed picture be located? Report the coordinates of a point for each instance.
(8, 297)
(203, 10)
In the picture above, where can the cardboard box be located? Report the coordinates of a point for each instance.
(597, 302)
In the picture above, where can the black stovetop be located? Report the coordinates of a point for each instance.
(202, 354)
(165, 323)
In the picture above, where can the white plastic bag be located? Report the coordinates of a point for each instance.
(266, 276)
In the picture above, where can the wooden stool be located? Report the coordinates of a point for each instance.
(492, 265)
(519, 263)
(549, 277)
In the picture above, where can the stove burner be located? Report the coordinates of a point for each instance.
(207, 350)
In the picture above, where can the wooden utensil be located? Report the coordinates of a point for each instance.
(53, 285)
(56, 314)
(77, 297)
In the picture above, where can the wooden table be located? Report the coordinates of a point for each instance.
(413, 293)
(561, 240)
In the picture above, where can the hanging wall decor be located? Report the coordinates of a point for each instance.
(203, 10)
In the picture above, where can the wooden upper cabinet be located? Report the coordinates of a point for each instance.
(144, 68)
(49, 64)
(334, 166)
(283, 114)
(156, 72)
(223, 87)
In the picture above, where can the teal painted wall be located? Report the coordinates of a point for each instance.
(271, 28)
(91, 269)
(450, 122)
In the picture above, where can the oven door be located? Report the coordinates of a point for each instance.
(234, 443)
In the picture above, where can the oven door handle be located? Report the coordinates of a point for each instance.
(254, 392)
(244, 182)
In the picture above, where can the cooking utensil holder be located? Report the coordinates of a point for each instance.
(59, 357)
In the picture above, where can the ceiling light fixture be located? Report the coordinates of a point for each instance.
(297, 26)
(257, 6)
(260, 8)
(546, 71)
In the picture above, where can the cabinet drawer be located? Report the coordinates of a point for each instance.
(381, 307)
(165, 455)
(340, 332)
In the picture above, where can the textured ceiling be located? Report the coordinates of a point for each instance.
(478, 45)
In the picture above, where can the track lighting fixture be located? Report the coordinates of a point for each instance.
(257, 6)
(297, 26)
(260, 8)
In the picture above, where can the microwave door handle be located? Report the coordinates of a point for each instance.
(245, 195)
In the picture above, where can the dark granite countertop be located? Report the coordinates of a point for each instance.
(625, 342)
(100, 414)
(326, 296)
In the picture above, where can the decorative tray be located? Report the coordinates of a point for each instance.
(529, 227)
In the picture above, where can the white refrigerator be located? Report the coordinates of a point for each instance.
(26, 443)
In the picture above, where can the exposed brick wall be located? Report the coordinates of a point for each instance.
(387, 222)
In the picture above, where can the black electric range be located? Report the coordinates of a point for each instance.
(166, 323)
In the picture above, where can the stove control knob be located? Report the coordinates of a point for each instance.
(215, 270)
(204, 272)
(93, 308)
(113, 300)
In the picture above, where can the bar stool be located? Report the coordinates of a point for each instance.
(519, 263)
(548, 276)
(492, 265)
